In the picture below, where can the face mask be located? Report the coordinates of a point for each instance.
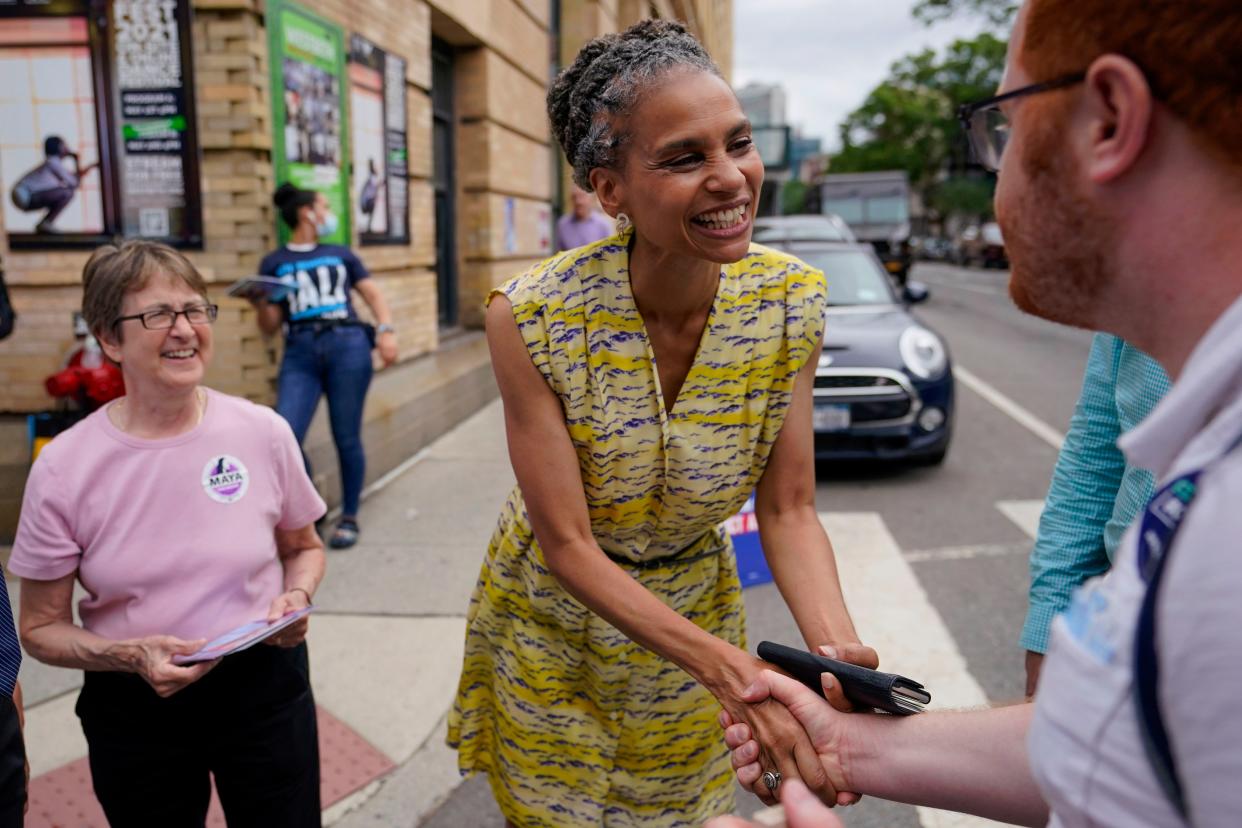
(328, 226)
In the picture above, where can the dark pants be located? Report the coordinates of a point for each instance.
(12, 766)
(335, 361)
(250, 723)
(54, 201)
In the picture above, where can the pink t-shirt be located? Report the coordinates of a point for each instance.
(172, 537)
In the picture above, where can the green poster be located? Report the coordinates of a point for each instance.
(309, 144)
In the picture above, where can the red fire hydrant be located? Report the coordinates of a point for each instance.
(87, 378)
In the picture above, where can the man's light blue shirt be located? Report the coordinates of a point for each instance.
(1094, 494)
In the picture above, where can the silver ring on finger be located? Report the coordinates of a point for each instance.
(771, 780)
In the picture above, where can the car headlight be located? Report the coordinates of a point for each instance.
(922, 352)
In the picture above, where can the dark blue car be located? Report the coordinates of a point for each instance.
(884, 384)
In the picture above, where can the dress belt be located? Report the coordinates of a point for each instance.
(662, 563)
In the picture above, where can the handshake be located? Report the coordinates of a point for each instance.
(814, 752)
(817, 757)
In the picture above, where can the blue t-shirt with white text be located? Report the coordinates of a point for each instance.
(320, 280)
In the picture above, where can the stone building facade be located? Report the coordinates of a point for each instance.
(484, 183)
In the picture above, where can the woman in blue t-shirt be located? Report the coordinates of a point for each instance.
(327, 347)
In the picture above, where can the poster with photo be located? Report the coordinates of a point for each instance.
(50, 152)
(308, 107)
(97, 134)
(155, 104)
(378, 138)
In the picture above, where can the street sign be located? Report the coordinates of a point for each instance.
(743, 528)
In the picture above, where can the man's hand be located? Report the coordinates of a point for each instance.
(775, 741)
(824, 727)
(854, 654)
(802, 810)
(1034, 663)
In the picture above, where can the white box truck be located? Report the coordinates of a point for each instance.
(876, 206)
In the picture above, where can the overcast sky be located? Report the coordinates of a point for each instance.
(828, 54)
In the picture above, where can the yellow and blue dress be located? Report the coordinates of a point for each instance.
(575, 724)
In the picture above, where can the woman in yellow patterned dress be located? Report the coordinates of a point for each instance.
(650, 382)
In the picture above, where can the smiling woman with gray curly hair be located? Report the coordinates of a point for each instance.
(651, 381)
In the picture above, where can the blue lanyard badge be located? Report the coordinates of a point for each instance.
(1163, 517)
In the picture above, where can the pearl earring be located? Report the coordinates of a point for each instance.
(623, 222)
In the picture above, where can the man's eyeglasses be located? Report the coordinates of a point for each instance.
(162, 320)
(986, 126)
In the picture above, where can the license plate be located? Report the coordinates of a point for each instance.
(831, 418)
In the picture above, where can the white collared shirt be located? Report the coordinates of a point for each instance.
(1085, 742)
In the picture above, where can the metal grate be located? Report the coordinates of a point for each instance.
(869, 412)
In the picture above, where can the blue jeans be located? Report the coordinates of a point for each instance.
(335, 361)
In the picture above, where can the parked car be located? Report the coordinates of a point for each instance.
(982, 246)
(884, 384)
(777, 230)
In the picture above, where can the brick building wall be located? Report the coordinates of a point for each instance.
(504, 178)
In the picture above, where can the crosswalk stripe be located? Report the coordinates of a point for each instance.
(1025, 513)
(964, 553)
(894, 615)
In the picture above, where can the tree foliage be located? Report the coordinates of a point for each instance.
(896, 128)
(959, 195)
(793, 197)
(997, 13)
(909, 121)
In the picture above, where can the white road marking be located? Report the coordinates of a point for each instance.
(1025, 513)
(963, 553)
(894, 615)
(1023, 417)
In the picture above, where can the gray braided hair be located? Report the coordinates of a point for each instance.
(589, 100)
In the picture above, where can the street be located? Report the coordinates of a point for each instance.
(933, 561)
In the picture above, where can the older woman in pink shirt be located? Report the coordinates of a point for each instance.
(184, 513)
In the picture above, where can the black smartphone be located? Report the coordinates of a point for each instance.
(865, 688)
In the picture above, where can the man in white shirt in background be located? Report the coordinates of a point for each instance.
(1120, 196)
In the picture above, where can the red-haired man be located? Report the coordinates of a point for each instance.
(1120, 195)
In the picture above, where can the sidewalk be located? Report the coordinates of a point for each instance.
(385, 646)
